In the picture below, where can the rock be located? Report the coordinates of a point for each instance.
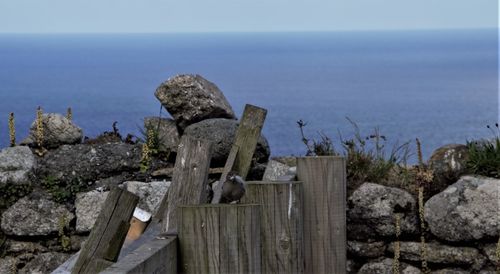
(16, 165)
(150, 194)
(450, 271)
(366, 249)
(221, 132)
(276, 171)
(351, 267)
(191, 98)
(77, 241)
(441, 254)
(490, 251)
(447, 163)
(385, 266)
(168, 135)
(88, 206)
(16, 247)
(88, 163)
(256, 172)
(372, 209)
(8, 265)
(57, 131)
(35, 217)
(45, 263)
(465, 211)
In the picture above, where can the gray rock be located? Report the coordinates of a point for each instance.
(57, 131)
(372, 209)
(277, 171)
(35, 217)
(490, 252)
(89, 163)
(45, 263)
(221, 132)
(77, 242)
(450, 271)
(351, 267)
(16, 165)
(447, 163)
(191, 98)
(88, 206)
(385, 266)
(441, 254)
(16, 247)
(150, 194)
(465, 211)
(168, 134)
(366, 249)
(8, 265)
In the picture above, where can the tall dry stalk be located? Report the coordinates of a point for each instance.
(12, 130)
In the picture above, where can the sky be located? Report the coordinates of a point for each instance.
(146, 16)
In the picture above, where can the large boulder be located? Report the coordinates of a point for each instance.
(57, 131)
(150, 194)
(447, 163)
(16, 165)
(385, 266)
(168, 135)
(8, 265)
(222, 132)
(89, 163)
(467, 210)
(191, 98)
(277, 171)
(87, 208)
(441, 254)
(35, 217)
(372, 210)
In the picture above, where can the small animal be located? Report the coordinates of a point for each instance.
(233, 188)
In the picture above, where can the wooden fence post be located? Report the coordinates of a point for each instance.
(106, 238)
(281, 224)
(220, 239)
(189, 181)
(324, 185)
(243, 149)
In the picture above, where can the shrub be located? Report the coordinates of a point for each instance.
(484, 156)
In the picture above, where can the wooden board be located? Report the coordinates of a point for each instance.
(110, 229)
(324, 186)
(220, 239)
(158, 255)
(281, 224)
(189, 181)
(243, 149)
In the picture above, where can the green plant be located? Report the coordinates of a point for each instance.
(10, 193)
(322, 147)
(63, 238)
(484, 156)
(62, 191)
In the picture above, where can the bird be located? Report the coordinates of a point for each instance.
(233, 188)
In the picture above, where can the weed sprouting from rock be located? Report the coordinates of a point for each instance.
(12, 130)
(484, 155)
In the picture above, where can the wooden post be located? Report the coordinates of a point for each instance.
(324, 215)
(243, 149)
(189, 181)
(220, 239)
(110, 229)
(281, 224)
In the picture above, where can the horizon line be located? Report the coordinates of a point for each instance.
(259, 31)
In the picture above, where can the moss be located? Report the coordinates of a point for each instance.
(10, 193)
(64, 240)
(61, 191)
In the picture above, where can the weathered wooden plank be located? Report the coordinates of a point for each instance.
(189, 181)
(324, 187)
(281, 224)
(241, 154)
(220, 238)
(158, 255)
(109, 232)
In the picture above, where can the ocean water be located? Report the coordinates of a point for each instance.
(439, 86)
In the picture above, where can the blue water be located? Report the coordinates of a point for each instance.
(440, 86)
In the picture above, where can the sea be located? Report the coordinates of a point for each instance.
(440, 86)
